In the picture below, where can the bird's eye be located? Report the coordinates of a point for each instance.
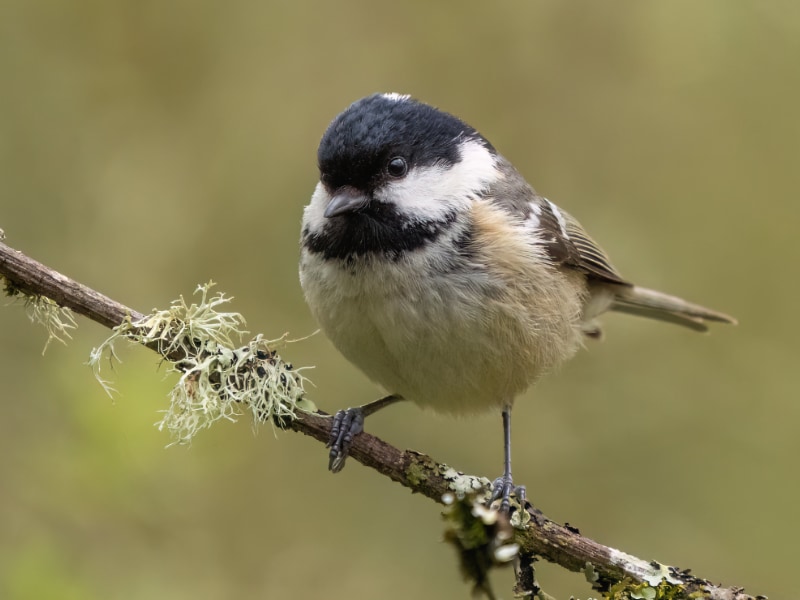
(397, 167)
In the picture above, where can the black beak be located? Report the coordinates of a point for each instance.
(346, 200)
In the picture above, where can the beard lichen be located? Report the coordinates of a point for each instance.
(56, 319)
(216, 379)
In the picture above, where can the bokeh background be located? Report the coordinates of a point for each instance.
(147, 146)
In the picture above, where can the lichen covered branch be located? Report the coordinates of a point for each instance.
(207, 360)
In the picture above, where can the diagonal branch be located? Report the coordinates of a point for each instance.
(604, 566)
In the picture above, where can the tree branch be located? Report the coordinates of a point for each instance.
(607, 568)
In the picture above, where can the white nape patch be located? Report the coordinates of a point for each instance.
(559, 217)
(430, 193)
(395, 97)
(532, 222)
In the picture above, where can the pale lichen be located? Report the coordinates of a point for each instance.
(653, 572)
(57, 320)
(216, 381)
(464, 485)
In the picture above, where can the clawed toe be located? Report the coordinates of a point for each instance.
(346, 425)
(503, 488)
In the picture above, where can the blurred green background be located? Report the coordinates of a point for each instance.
(146, 147)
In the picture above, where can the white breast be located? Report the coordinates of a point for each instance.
(458, 341)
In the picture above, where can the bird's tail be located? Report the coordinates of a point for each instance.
(657, 305)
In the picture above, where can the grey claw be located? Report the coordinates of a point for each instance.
(502, 489)
(346, 425)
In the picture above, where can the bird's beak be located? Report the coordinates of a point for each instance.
(346, 200)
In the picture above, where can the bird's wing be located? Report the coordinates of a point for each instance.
(562, 236)
(569, 244)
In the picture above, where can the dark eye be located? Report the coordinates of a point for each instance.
(397, 167)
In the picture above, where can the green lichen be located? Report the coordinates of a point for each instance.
(628, 589)
(215, 380)
(482, 536)
(417, 473)
(656, 583)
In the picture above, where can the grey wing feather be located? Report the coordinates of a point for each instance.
(568, 244)
(628, 298)
(565, 240)
(590, 256)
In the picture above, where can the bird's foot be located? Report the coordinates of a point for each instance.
(347, 424)
(503, 488)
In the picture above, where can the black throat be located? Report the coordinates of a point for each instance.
(378, 230)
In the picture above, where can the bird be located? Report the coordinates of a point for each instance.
(436, 269)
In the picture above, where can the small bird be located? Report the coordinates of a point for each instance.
(436, 269)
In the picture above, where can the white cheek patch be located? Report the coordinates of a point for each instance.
(314, 213)
(430, 193)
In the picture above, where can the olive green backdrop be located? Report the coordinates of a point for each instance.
(146, 147)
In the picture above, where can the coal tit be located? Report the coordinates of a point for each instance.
(436, 269)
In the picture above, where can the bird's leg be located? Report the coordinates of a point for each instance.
(347, 424)
(503, 487)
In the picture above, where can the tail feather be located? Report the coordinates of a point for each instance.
(657, 305)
